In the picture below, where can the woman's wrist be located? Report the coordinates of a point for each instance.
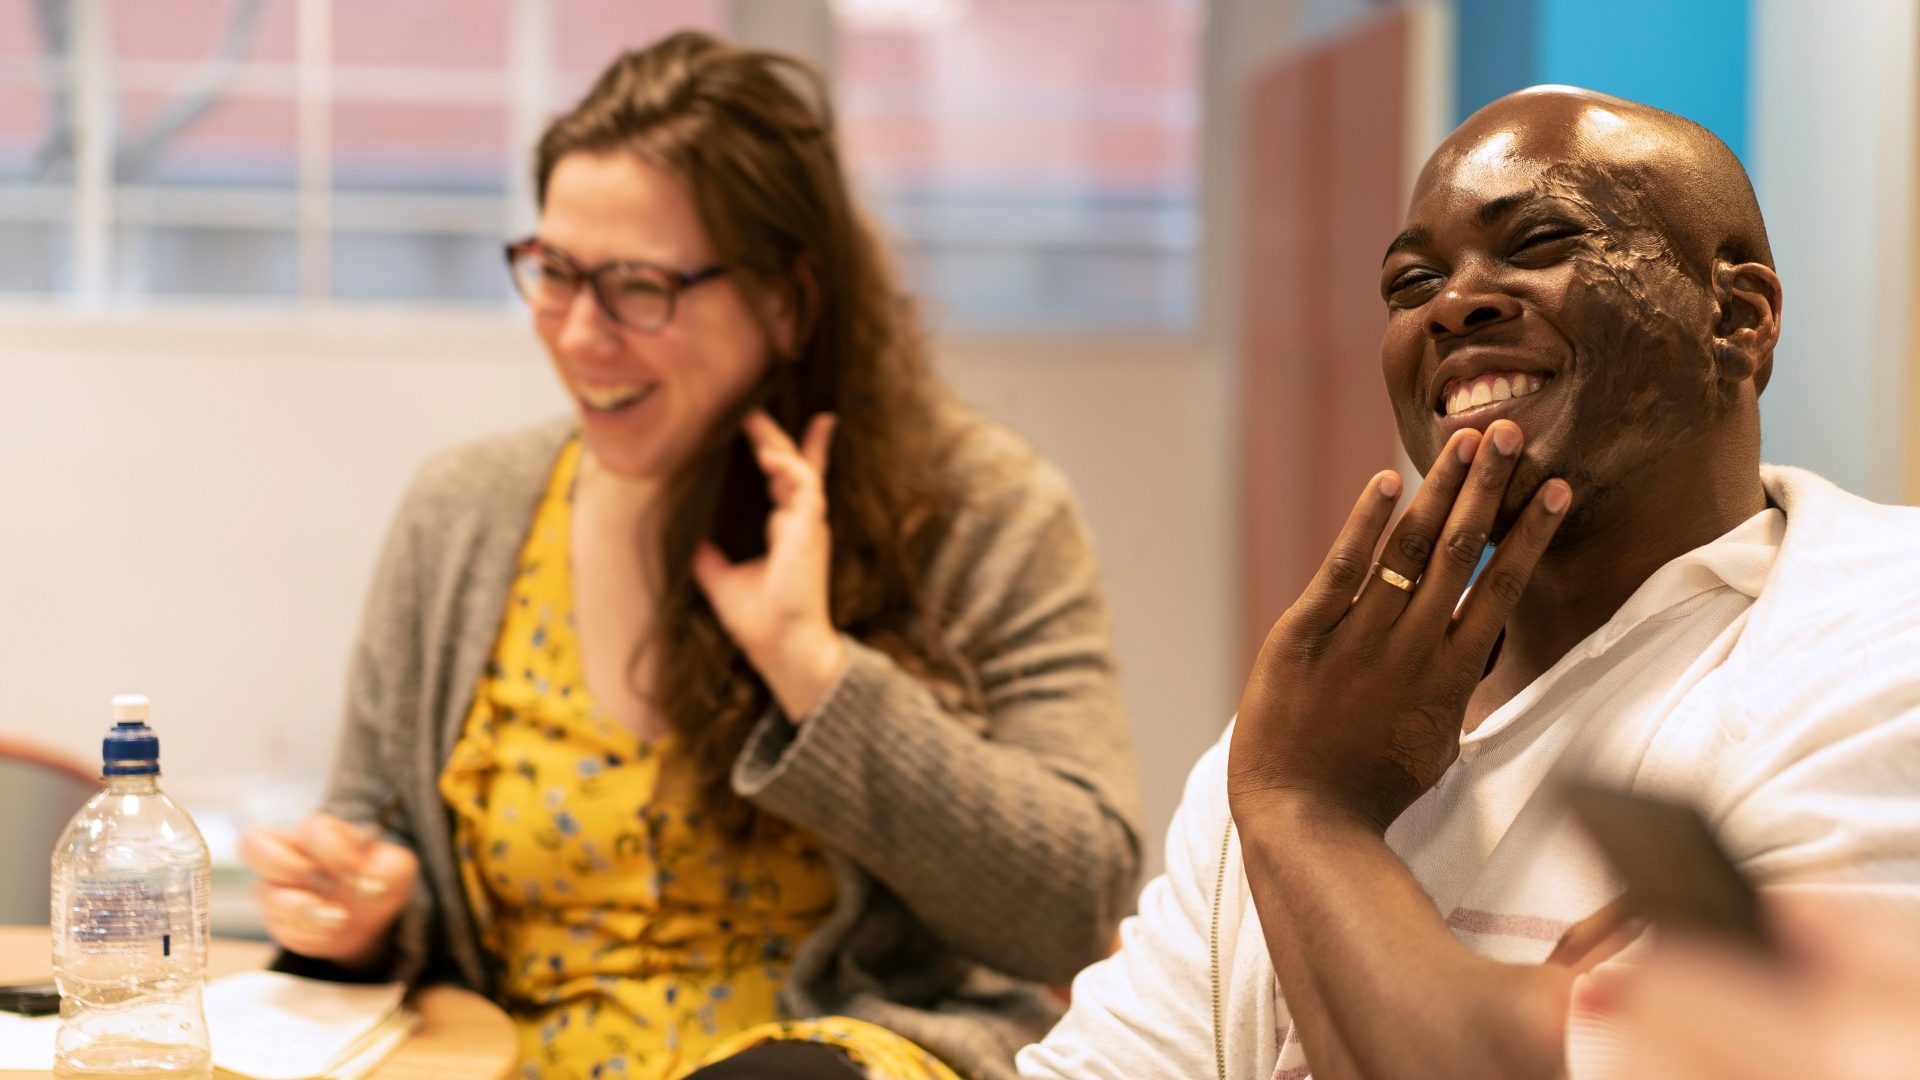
(804, 669)
(369, 955)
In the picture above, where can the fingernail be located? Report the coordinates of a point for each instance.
(328, 914)
(1506, 439)
(1557, 497)
(369, 886)
(1469, 443)
(1390, 485)
(1598, 991)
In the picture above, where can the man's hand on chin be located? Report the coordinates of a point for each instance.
(1355, 704)
(1353, 711)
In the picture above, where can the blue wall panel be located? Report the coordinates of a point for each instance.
(1495, 50)
(1686, 56)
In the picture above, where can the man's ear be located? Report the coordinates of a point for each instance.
(1746, 325)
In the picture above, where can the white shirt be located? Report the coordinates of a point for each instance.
(1771, 677)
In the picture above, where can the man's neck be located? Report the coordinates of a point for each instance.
(1581, 584)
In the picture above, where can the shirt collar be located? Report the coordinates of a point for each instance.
(1741, 559)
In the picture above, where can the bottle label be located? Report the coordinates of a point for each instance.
(115, 913)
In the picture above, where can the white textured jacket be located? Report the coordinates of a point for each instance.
(1771, 677)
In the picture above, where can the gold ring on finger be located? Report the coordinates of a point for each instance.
(1393, 577)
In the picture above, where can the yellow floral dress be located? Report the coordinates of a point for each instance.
(630, 940)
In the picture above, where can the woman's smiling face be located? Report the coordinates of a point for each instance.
(646, 399)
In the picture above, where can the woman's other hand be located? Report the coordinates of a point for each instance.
(329, 889)
(776, 607)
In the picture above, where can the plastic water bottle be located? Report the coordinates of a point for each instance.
(130, 895)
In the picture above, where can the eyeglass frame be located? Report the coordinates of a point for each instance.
(677, 281)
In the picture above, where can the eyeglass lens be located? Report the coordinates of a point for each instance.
(638, 297)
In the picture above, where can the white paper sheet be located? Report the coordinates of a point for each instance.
(27, 1042)
(272, 1026)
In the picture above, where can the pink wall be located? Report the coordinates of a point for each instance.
(1325, 161)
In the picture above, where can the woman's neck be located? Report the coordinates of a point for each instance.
(610, 492)
(614, 593)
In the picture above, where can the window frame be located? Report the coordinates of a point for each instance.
(97, 204)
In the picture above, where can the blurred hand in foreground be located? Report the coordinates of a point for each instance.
(1844, 1003)
(330, 889)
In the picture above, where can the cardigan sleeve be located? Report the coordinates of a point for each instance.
(1014, 836)
(365, 783)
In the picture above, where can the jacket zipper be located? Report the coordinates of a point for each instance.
(1219, 889)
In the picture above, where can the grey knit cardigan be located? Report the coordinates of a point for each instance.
(978, 857)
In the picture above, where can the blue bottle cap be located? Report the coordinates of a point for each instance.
(131, 748)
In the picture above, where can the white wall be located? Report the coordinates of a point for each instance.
(1834, 126)
(196, 503)
(196, 500)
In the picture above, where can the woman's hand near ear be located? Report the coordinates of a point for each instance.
(776, 607)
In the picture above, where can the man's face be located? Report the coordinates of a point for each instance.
(1535, 281)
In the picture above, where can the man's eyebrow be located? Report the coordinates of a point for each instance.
(1490, 213)
(1414, 237)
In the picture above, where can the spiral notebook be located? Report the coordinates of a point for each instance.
(270, 1026)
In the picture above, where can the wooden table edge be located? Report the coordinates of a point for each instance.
(462, 1034)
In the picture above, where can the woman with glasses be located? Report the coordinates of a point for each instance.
(758, 719)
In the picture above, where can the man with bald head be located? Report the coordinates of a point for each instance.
(1370, 875)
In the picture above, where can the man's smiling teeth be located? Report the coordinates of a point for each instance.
(608, 398)
(1489, 388)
